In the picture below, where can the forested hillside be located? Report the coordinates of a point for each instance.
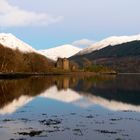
(16, 61)
(122, 58)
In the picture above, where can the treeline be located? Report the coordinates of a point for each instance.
(16, 61)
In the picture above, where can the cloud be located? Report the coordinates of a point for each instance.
(13, 16)
(83, 43)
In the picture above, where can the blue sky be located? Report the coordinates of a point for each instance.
(49, 23)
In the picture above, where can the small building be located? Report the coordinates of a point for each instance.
(63, 63)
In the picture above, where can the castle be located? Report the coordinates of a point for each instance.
(63, 63)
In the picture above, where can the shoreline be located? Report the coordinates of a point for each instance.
(25, 75)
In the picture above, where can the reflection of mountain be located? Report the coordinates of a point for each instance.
(62, 95)
(113, 105)
(15, 104)
(120, 93)
(84, 99)
(122, 88)
(16, 93)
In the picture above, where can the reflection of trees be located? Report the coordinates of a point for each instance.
(33, 86)
(121, 88)
(13, 89)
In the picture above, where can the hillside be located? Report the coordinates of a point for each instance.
(10, 41)
(64, 51)
(123, 57)
(16, 61)
(17, 56)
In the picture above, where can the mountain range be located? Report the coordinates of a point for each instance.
(119, 53)
(110, 41)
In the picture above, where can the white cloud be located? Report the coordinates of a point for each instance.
(13, 16)
(83, 43)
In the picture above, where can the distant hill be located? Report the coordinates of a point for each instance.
(110, 41)
(60, 51)
(17, 56)
(123, 57)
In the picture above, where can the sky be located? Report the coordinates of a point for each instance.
(50, 23)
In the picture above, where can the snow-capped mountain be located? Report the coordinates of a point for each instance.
(10, 41)
(64, 51)
(26, 59)
(115, 40)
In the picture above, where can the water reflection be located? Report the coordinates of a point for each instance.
(111, 92)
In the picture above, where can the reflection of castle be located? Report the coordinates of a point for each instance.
(65, 82)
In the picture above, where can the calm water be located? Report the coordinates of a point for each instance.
(70, 108)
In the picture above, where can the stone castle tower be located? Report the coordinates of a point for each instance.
(63, 63)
